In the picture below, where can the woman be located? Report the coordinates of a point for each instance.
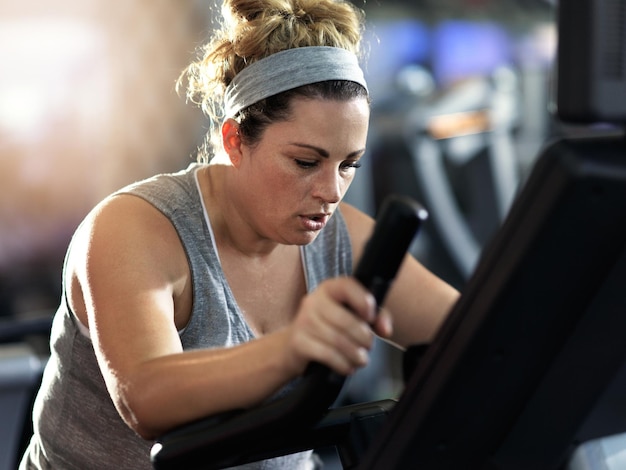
(211, 289)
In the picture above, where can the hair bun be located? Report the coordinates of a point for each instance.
(254, 29)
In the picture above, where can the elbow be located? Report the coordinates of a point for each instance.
(145, 432)
(138, 410)
(143, 426)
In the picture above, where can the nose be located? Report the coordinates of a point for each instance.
(329, 186)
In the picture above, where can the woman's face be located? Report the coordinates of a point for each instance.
(294, 178)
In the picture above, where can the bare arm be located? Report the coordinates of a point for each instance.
(418, 300)
(130, 284)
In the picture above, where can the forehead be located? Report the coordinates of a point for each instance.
(320, 110)
(337, 127)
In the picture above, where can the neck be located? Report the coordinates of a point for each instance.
(231, 230)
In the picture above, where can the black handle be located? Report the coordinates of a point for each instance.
(399, 220)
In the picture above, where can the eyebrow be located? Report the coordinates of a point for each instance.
(323, 152)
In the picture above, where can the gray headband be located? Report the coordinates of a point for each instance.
(290, 69)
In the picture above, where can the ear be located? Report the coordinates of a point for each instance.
(231, 141)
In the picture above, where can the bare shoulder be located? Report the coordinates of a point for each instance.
(123, 223)
(124, 246)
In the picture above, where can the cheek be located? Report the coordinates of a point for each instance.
(347, 180)
(277, 184)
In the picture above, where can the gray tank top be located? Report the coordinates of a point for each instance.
(76, 424)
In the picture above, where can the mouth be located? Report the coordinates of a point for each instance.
(314, 221)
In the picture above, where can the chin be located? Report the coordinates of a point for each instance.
(304, 239)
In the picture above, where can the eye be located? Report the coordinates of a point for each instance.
(306, 164)
(350, 165)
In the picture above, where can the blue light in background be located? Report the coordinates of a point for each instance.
(463, 49)
(392, 46)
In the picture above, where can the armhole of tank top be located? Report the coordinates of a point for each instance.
(82, 329)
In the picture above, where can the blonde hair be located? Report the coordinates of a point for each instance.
(254, 29)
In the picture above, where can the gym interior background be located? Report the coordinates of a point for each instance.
(461, 93)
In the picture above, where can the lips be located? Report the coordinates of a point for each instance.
(314, 222)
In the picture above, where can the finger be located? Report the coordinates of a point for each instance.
(337, 354)
(328, 332)
(383, 325)
(337, 322)
(353, 295)
(338, 329)
(344, 357)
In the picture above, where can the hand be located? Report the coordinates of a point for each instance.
(335, 326)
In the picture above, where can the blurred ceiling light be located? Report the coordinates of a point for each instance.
(40, 58)
(416, 80)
